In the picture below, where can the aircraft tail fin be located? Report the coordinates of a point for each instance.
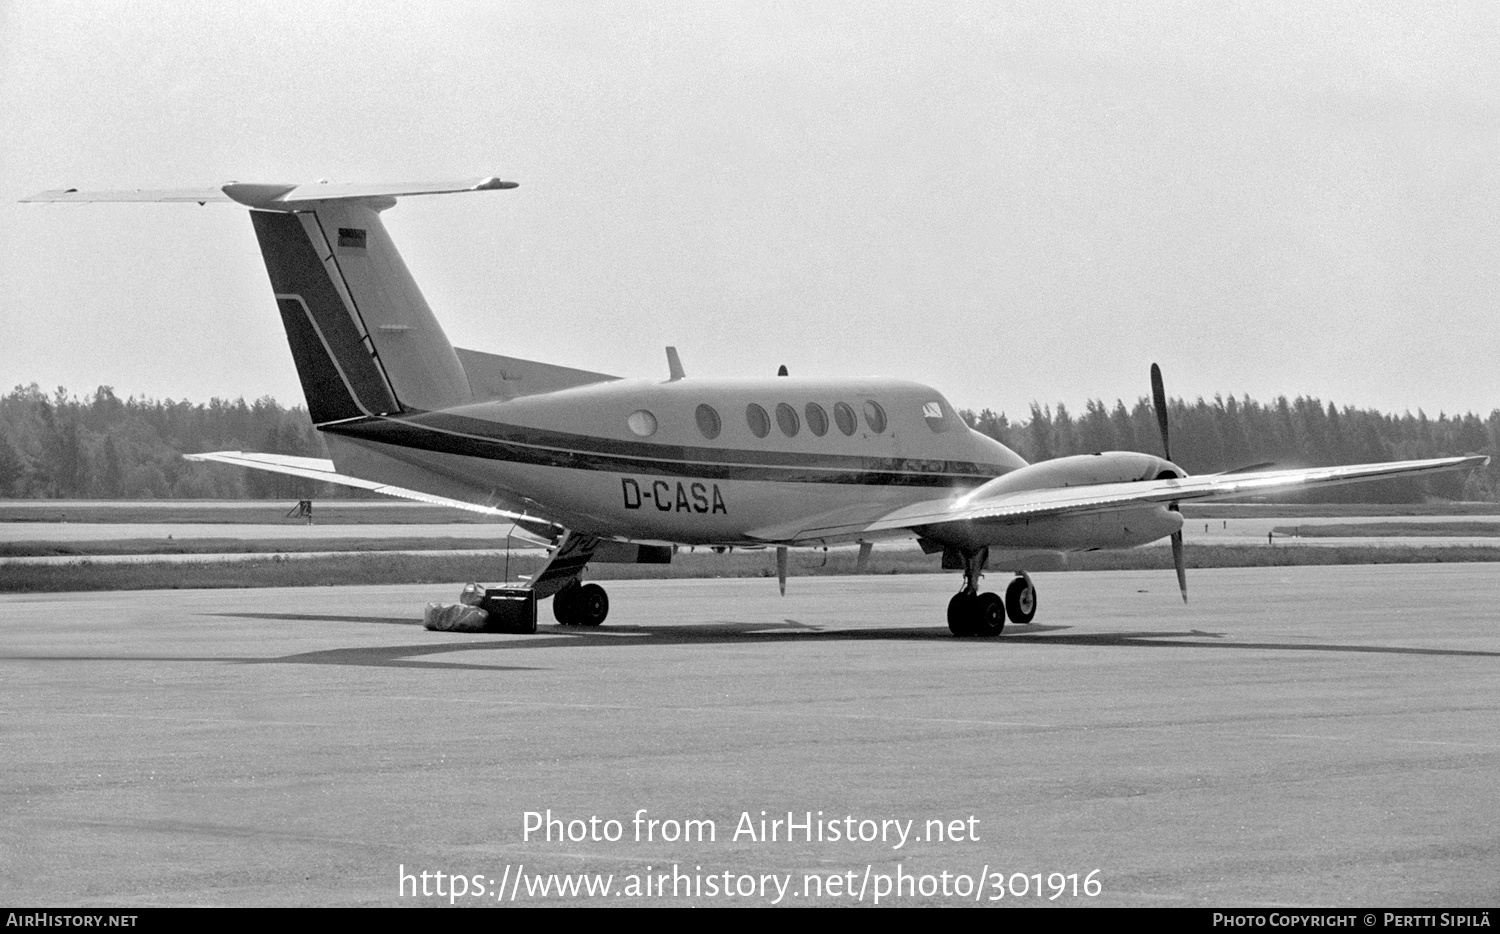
(350, 305)
(342, 372)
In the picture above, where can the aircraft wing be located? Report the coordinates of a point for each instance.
(1077, 500)
(528, 529)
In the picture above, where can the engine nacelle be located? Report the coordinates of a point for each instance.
(1123, 527)
(1108, 528)
(1080, 470)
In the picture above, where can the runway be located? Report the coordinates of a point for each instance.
(1317, 736)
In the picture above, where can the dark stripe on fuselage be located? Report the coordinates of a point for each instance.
(449, 434)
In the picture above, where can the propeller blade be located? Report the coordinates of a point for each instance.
(1180, 563)
(1159, 399)
(781, 568)
(862, 563)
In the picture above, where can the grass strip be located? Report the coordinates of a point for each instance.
(1393, 530)
(250, 512)
(237, 546)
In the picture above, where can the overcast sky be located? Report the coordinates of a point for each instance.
(1011, 202)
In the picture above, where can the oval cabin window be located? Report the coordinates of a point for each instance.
(817, 419)
(843, 416)
(708, 422)
(642, 423)
(787, 421)
(758, 420)
(875, 416)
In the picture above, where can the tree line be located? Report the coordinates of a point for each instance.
(103, 447)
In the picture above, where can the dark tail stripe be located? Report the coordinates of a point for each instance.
(323, 386)
(351, 383)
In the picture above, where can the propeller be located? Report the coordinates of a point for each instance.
(1159, 399)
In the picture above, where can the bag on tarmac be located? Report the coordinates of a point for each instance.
(455, 617)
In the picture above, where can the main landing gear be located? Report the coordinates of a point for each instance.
(971, 613)
(580, 605)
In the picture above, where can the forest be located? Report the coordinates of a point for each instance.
(100, 446)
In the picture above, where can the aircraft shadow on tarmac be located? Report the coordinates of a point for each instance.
(408, 656)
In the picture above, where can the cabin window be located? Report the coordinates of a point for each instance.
(787, 420)
(817, 419)
(708, 422)
(642, 423)
(843, 416)
(758, 420)
(932, 414)
(875, 416)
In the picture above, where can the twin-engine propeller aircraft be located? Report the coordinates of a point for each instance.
(596, 467)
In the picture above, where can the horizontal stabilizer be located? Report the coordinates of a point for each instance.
(272, 197)
(200, 195)
(526, 528)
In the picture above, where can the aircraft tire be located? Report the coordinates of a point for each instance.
(564, 604)
(961, 614)
(1020, 601)
(590, 605)
(989, 615)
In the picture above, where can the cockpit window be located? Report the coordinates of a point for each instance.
(875, 416)
(843, 416)
(758, 420)
(932, 414)
(787, 421)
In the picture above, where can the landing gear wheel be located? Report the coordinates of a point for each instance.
(961, 614)
(1020, 600)
(989, 615)
(590, 605)
(976, 614)
(563, 606)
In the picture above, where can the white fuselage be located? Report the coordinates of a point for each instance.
(693, 461)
